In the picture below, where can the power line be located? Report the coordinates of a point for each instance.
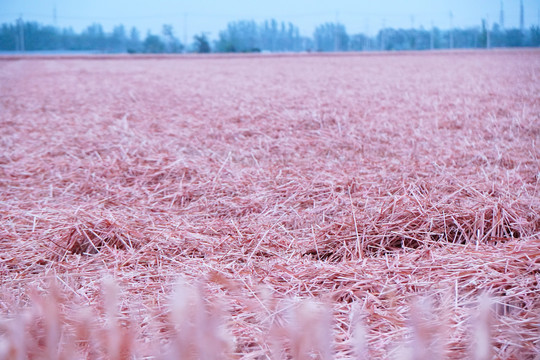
(220, 15)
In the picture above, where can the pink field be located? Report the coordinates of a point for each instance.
(266, 207)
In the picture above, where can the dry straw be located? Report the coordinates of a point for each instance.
(358, 207)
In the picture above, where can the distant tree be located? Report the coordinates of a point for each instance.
(306, 43)
(359, 42)
(37, 37)
(272, 36)
(331, 37)
(514, 38)
(467, 38)
(134, 42)
(8, 38)
(201, 44)
(248, 36)
(437, 37)
(240, 36)
(69, 40)
(423, 38)
(405, 39)
(391, 39)
(93, 38)
(153, 44)
(118, 40)
(279, 37)
(535, 35)
(267, 35)
(496, 36)
(173, 45)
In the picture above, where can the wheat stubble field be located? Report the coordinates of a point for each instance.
(266, 207)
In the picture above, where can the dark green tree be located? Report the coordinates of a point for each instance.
(240, 36)
(535, 35)
(201, 44)
(153, 44)
(8, 37)
(172, 45)
(436, 36)
(118, 39)
(514, 38)
(496, 36)
(331, 37)
(134, 42)
(93, 38)
(69, 39)
(360, 42)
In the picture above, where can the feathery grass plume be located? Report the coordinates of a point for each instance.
(53, 322)
(86, 332)
(13, 337)
(118, 337)
(428, 329)
(197, 330)
(38, 331)
(306, 331)
(359, 336)
(482, 324)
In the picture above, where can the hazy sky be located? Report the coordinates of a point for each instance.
(211, 16)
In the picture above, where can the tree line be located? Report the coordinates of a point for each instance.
(249, 36)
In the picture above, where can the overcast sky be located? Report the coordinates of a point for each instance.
(211, 16)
